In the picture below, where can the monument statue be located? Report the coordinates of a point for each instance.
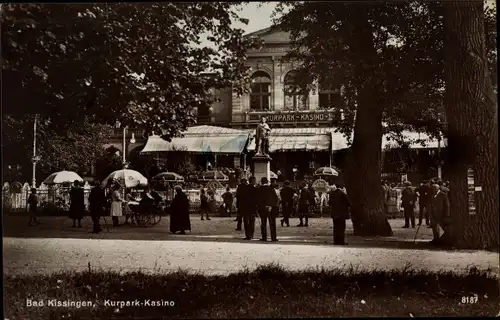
(262, 138)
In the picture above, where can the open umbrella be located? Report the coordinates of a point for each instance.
(327, 171)
(168, 176)
(126, 177)
(62, 177)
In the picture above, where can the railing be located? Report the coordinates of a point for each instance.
(17, 201)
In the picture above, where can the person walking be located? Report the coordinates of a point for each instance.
(424, 194)
(204, 209)
(179, 212)
(77, 204)
(439, 212)
(339, 204)
(305, 203)
(116, 205)
(287, 194)
(408, 198)
(33, 208)
(268, 203)
(97, 202)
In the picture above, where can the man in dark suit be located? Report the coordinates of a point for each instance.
(439, 211)
(287, 194)
(97, 203)
(424, 194)
(246, 196)
(408, 198)
(268, 207)
(339, 210)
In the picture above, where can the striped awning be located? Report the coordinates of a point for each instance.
(201, 140)
(304, 139)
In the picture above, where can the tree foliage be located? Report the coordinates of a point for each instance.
(388, 59)
(138, 63)
(142, 64)
(77, 150)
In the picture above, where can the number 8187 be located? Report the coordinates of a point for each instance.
(470, 300)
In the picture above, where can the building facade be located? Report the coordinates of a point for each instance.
(302, 138)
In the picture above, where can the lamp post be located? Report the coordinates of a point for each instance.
(124, 153)
(35, 158)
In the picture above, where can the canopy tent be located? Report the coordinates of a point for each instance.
(202, 139)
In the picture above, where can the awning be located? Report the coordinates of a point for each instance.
(304, 139)
(201, 140)
(415, 140)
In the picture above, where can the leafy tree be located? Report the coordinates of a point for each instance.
(472, 111)
(388, 59)
(76, 151)
(141, 64)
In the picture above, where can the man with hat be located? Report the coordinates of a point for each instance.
(33, 207)
(268, 207)
(246, 203)
(287, 194)
(439, 211)
(339, 209)
(97, 202)
(77, 204)
(408, 198)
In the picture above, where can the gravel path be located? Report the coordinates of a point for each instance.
(47, 255)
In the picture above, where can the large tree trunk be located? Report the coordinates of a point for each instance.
(472, 128)
(364, 171)
(364, 182)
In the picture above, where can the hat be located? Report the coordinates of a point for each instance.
(264, 180)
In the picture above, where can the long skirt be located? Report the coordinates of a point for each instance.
(116, 209)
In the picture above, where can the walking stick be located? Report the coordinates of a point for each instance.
(416, 233)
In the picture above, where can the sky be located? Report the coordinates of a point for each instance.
(258, 14)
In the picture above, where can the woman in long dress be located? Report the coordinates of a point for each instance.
(179, 212)
(116, 205)
(77, 204)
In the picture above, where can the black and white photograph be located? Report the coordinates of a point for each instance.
(245, 160)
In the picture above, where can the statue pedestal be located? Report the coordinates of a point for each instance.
(262, 167)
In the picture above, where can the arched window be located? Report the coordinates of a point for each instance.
(296, 94)
(330, 97)
(260, 95)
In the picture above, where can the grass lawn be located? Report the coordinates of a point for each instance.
(269, 291)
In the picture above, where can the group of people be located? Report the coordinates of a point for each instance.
(434, 205)
(266, 201)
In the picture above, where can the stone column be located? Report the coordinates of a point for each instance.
(262, 167)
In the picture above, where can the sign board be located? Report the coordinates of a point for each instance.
(320, 185)
(237, 162)
(471, 191)
(292, 116)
